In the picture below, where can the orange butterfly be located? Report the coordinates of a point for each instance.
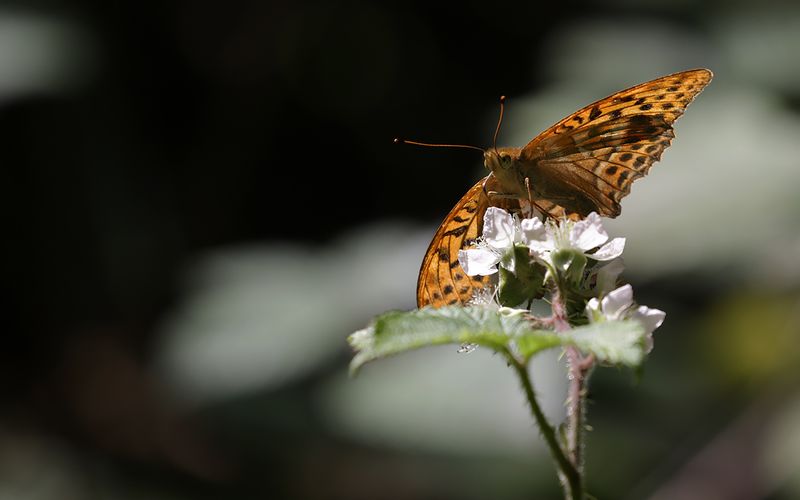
(584, 163)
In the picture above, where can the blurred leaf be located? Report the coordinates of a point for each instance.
(752, 337)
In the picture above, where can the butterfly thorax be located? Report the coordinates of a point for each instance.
(504, 164)
(516, 174)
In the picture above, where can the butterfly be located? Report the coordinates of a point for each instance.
(584, 163)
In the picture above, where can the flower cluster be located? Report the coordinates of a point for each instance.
(564, 249)
(547, 242)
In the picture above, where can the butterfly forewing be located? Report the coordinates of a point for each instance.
(666, 97)
(601, 149)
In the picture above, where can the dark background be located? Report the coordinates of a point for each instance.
(152, 151)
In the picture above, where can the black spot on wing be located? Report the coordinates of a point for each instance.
(456, 231)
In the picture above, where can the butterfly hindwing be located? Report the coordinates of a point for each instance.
(441, 280)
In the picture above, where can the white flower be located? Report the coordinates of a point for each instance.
(500, 232)
(581, 236)
(619, 305)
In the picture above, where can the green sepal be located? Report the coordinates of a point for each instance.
(570, 264)
(521, 277)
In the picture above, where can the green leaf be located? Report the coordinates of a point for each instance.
(396, 332)
(615, 342)
(521, 278)
(531, 343)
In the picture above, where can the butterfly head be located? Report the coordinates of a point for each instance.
(495, 160)
(503, 164)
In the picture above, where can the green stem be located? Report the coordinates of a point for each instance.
(571, 479)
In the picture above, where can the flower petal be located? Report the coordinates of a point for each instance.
(533, 230)
(610, 250)
(498, 228)
(616, 302)
(593, 310)
(650, 318)
(481, 261)
(539, 237)
(608, 274)
(588, 233)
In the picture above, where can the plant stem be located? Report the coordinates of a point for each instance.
(578, 367)
(571, 479)
(575, 409)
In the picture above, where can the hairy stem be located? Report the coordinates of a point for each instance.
(579, 368)
(571, 480)
(575, 409)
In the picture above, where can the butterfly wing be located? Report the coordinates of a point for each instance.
(588, 161)
(441, 279)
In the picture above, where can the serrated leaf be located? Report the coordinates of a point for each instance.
(613, 342)
(396, 332)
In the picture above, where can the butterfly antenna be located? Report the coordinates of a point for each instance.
(499, 122)
(397, 140)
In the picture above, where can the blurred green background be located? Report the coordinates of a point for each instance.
(202, 200)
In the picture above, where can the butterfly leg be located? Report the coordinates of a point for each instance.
(528, 188)
(528, 208)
